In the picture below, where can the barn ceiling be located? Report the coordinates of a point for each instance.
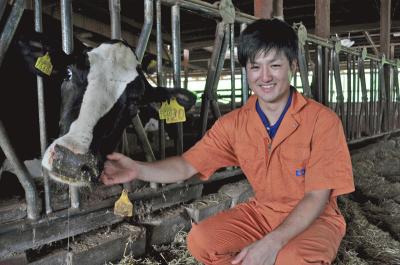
(357, 19)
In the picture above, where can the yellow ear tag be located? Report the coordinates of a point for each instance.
(43, 64)
(177, 113)
(123, 206)
(163, 110)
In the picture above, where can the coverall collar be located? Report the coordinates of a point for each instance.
(289, 123)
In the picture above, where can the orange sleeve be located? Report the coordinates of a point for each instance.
(214, 150)
(329, 166)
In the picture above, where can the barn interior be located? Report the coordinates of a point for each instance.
(349, 61)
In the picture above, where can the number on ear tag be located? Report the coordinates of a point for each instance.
(43, 64)
(177, 113)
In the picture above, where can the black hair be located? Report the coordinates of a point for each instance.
(265, 35)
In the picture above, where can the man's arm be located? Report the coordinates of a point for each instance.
(120, 169)
(264, 251)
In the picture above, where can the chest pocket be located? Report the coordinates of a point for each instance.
(251, 158)
(294, 160)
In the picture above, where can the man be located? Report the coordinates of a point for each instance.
(292, 151)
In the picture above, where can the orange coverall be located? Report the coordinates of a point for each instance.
(309, 152)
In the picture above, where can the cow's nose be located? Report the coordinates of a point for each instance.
(74, 169)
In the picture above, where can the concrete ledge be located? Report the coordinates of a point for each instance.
(12, 210)
(100, 247)
(239, 191)
(164, 226)
(48, 231)
(207, 206)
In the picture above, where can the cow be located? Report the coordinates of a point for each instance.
(66, 92)
(98, 102)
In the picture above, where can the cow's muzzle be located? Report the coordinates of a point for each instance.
(74, 169)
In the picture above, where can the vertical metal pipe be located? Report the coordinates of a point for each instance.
(348, 105)
(372, 98)
(176, 58)
(160, 77)
(146, 30)
(318, 89)
(245, 88)
(68, 47)
(23, 175)
(11, 25)
(115, 16)
(114, 7)
(66, 26)
(232, 59)
(42, 113)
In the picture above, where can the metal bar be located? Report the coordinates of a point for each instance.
(209, 94)
(67, 45)
(245, 88)
(364, 98)
(353, 106)
(348, 105)
(208, 9)
(382, 98)
(339, 96)
(32, 201)
(319, 74)
(66, 25)
(369, 39)
(303, 69)
(232, 59)
(397, 98)
(114, 7)
(176, 55)
(3, 5)
(372, 97)
(115, 17)
(146, 30)
(42, 113)
(10, 27)
(160, 78)
(137, 124)
(217, 75)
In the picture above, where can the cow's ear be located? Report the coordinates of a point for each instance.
(185, 98)
(37, 50)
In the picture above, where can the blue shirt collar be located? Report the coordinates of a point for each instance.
(272, 129)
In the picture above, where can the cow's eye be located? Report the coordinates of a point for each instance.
(68, 76)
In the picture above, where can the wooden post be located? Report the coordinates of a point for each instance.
(322, 29)
(385, 49)
(322, 18)
(385, 27)
(263, 8)
(278, 9)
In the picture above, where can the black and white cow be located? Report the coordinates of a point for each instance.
(74, 74)
(98, 101)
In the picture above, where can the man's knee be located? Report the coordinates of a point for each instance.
(196, 243)
(300, 255)
(289, 254)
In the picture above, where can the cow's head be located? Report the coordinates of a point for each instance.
(100, 96)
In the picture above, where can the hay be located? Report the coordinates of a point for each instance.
(375, 245)
(175, 253)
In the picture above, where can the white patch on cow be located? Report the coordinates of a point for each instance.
(112, 67)
(151, 125)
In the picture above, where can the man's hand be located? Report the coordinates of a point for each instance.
(261, 252)
(119, 169)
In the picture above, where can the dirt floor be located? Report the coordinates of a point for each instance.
(372, 214)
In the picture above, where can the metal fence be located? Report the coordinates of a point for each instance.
(361, 88)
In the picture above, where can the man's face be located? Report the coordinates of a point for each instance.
(269, 77)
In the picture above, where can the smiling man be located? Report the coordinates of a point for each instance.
(293, 152)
